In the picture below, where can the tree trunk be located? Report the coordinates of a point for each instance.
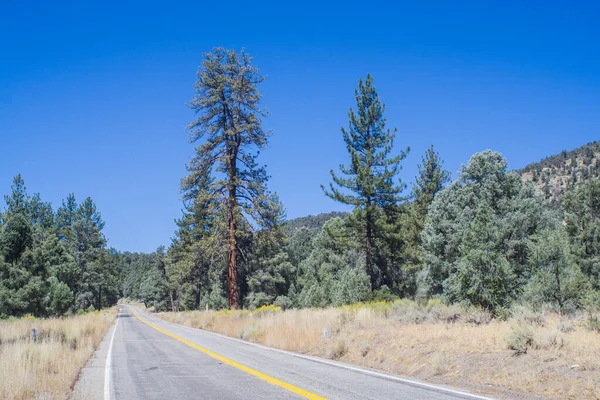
(369, 251)
(232, 209)
(559, 291)
(231, 264)
(369, 217)
(172, 302)
(198, 288)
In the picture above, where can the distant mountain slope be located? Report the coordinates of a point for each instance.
(554, 174)
(551, 177)
(313, 222)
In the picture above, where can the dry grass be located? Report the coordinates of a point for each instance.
(433, 342)
(48, 367)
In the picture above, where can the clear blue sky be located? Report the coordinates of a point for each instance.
(93, 94)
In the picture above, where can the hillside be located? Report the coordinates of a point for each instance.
(554, 174)
(551, 177)
(312, 222)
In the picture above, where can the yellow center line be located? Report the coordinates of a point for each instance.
(274, 381)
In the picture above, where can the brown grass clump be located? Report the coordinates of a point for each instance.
(544, 354)
(48, 367)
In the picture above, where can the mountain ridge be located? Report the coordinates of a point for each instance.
(553, 175)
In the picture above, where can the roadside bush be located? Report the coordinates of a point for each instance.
(249, 332)
(384, 293)
(439, 312)
(477, 316)
(551, 340)
(61, 297)
(524, 314)
(266, 310)
(594, 323)
(380, 307)
(440, 363)
(283, 302)
(566, 326)
(240, 314)
(592, 307)
(556, 280)
(520, 338)
(364, 348)
(339, 349)
(434, 310)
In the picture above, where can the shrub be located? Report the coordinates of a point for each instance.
(477, 316)
(528, 316)
(249, 332)
(283, 302)
(432, 311)
(208, 322)
(440, 363)
(61, 297)
(552, 340)
(339, 349)
(383, 294)
(592, 306)
(346, 316)
(502, 313)
(566, 326)
(265, 310)
(240, 314)
(594, 323)
(380, 307)
(364, 348)
(520, 339)
(439, 312)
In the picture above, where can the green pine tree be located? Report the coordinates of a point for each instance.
(65, 219)
(87, 248)
(556, 278)
(333, 273)
(482, 276)
(368, 183)
(270, 273)
(17, 201)
(431, 180)
(194, 260)
(582, 217)
(481, 224)
(230, 128)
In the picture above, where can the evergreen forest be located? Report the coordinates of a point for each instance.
(490, 238)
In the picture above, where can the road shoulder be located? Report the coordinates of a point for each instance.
(90, 382)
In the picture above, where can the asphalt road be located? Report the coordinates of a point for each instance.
(143, 357)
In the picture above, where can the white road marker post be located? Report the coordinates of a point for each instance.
(326, 333)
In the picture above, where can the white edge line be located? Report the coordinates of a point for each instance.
(107, 366)
(333, 363)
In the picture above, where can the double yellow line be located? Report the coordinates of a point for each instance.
(274, 381)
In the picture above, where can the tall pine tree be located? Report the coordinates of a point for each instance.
(368, 183)
(229, 124)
